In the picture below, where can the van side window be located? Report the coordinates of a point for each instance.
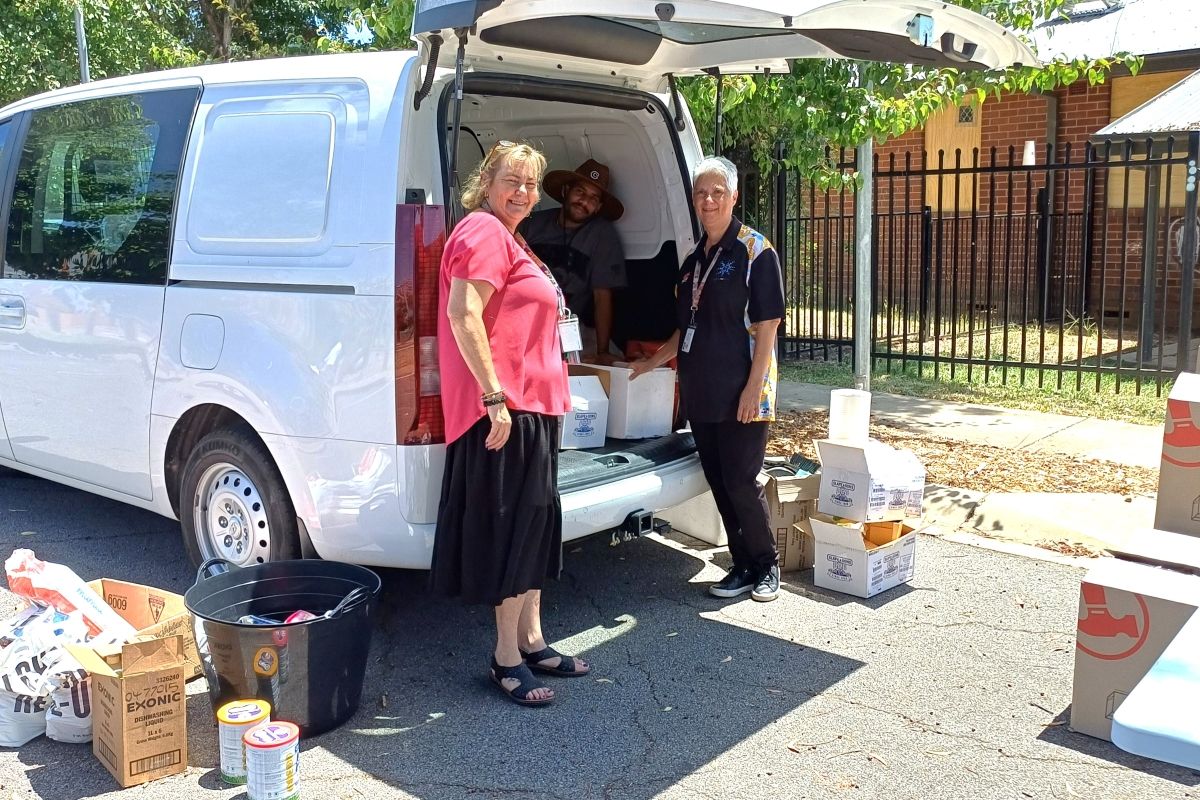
(95, 189)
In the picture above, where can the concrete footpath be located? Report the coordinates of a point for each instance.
(1093, 520)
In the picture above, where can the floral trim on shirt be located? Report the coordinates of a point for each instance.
(756, 244)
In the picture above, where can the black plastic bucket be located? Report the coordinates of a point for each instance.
(310, 672)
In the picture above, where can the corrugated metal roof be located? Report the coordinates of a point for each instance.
(1174, 110)
(1141, 27)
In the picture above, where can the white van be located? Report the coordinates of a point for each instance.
(218, 290)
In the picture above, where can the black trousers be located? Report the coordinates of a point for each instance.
(732, 454)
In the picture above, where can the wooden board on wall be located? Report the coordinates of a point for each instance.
(949, 130)
(1127, 94)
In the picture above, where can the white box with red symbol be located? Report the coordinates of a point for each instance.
(1130, 608)
(1178, 507)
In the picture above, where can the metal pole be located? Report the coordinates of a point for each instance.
(81, 41)
(1149, 266)
(863, 313)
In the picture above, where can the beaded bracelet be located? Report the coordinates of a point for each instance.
(494, 398)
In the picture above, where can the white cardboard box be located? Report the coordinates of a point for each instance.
(869, 484)
(699, 519)
(586, 423)
(862, 559)
(638, 409)
(1128, 614)
(1178, 506)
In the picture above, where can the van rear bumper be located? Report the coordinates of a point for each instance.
(357, 499)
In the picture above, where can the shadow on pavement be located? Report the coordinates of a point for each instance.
(1060, 734)
(679, 678)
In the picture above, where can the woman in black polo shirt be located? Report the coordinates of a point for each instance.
(729, 305)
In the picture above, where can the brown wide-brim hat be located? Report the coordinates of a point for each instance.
(591, 171)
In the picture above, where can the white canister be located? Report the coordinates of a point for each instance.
(849, 416)
(233, 720)
(273, 761)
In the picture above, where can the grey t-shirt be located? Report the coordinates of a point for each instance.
(583, 259)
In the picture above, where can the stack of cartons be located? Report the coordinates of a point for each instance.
(863, 545)
(640, 409)
(1131, 607)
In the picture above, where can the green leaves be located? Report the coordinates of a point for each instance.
(835, 104)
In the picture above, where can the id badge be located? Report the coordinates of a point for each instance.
(686, 347)
(569, 335)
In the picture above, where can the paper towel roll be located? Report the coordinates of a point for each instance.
(849, 416)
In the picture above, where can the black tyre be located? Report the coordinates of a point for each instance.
(233, 503)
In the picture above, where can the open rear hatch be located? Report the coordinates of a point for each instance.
(636, 43)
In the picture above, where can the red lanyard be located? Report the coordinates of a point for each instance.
(699, 283)
(562, 301)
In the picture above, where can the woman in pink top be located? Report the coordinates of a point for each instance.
(504, 391)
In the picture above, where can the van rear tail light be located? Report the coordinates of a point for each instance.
(431, 379)
(420, 238)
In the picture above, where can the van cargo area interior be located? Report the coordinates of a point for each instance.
(637, 142)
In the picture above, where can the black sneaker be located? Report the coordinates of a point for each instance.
(766, 588)
(738, 580)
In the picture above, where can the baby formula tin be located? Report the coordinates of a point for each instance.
(273, 761)
(233, 720)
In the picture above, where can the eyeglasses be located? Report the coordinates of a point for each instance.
(499, 144)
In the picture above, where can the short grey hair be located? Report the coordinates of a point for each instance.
(721, 166)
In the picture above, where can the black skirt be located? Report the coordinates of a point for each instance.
(499, 527)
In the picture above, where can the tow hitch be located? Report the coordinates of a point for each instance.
(637, 524)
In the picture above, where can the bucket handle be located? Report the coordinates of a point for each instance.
(212, 568)
(356, 594)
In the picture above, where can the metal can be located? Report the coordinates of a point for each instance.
(273, 761)
(233, 720)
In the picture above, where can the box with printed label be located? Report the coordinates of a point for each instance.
(638, 409)
(139, 708)
(1178, 506)
(155, 613)
(585, 424)
(1130, 608)
(871, 483)
(862, 559)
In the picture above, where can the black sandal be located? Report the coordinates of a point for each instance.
(567, 667)
(519, 694)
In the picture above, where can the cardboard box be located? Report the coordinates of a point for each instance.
(586, 423)
(155, 613)
(797, 550)
(790, 500)
(638, 409)
(1130, 608)
(139, 708)
(699, 519)
(869, 484)
(1178, 505)
(862, 559)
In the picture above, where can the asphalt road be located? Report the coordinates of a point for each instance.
(956, 686)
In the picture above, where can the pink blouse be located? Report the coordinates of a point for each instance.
(521, 319)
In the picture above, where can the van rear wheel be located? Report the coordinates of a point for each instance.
(233, 503)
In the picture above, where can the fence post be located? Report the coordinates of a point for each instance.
(1187, 259)
(926, 269)
(1149, 252)
(781, 239)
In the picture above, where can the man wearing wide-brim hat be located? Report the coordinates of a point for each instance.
(581, 247)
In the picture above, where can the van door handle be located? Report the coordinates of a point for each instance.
(12, 312)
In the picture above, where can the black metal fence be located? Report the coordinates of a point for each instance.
(1074, 270)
